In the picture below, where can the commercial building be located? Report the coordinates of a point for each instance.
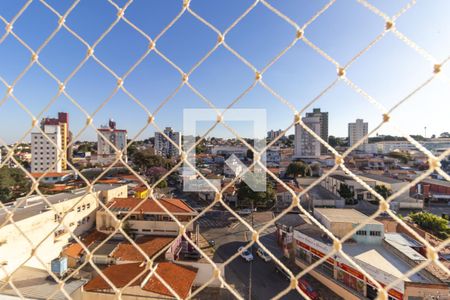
(323, 119)
(386, 147)
(385, 257)
(46, 150)
(166, 148)
(434, 190)
(306, 145)
(357, 131)
(117, 137)
(41, 224)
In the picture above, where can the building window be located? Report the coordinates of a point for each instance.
(361, 232)
(84, 207)
(375, 233)
(78, 209)
(88, 205)
(302, 254)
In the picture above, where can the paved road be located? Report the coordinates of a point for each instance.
(256, 279)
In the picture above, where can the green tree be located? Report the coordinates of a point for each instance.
(12, 183)
(404, 157)
(298, 168)
(145, 160)
(383, 191)
(247, 197)
(431, 223)
(345, 192)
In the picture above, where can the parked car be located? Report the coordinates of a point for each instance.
(307, 289)
(281, 271)
(245, 254)
(244, 212)
(194, 255)
(263, 255)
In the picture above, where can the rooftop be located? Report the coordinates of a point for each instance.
(150, 245)
(380, 178)
(40, 205)
(33, 284)
(179, 278)
(436, 182)
(148, 205)
(381, 258)
(344, 215)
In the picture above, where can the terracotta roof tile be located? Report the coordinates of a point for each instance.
(119, 275)
(149, 205)
(179, 278)
(150, 245)
(75, 250)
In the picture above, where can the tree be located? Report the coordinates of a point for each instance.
(332, 141)
(298, 168)
(249, 198)
(12, 183)
(431, 223)
(383, 191)
(445, 135)
(346, 193)
(404, 157)
(145, 160)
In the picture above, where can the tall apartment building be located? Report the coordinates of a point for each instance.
(45, 150)
(66, 136)
(323, 119)
(305, 144)
(356, 131)
(273, 134)
(117, 137)
(166, 148)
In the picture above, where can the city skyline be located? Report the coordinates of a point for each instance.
(222, 77)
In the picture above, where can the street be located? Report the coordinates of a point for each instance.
(256, 279)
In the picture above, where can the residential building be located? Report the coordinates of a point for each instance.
(41, 224)
(136, 283)
(306, 145)
(357, 131)
(116, 137)
(149, 218)
(386, 147)
(66, 135)
(273, 134)
(323, 119)
(165, 147)
(434, 190)
(386, 257)
(46, 150)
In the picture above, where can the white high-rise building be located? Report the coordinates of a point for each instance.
(117, 137)
(164, 147)
(44, 153)
(356, 131)
(305, 144)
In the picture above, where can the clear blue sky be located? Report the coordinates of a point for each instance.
(388, 72)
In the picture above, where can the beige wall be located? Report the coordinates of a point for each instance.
(205, 273)
(15, 249)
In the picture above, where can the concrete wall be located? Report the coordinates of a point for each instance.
(205, 273)
(15, 248)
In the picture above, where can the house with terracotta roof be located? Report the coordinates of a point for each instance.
(148, 217)
(53, 177)
(284, 197)
(137, 284)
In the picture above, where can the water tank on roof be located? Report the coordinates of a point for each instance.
(59, 266)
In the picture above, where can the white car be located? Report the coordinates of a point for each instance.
(263, 255)
(245, 254)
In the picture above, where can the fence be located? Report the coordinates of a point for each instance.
(300, 37)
